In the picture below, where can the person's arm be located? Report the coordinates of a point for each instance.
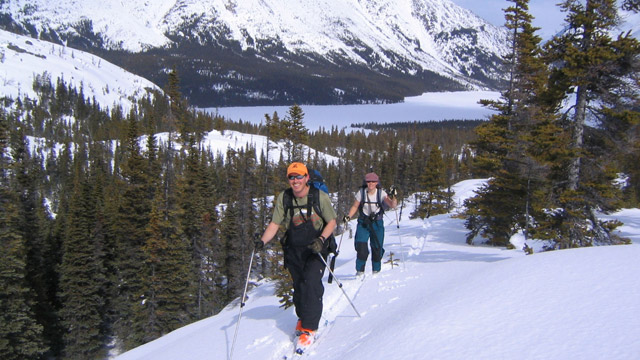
(354, 209)
(391, 202)
(328, 229)
(277, 218)
(270, 232)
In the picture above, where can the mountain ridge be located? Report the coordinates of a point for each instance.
(280, 52)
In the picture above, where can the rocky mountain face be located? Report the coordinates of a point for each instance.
(279, 52)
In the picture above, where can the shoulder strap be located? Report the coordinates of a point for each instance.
(287, 202)
(313, 201)
(380, 204)
(378, 201)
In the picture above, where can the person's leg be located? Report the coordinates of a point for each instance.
(377, 245)
(296, 269)
(361, 246)
(312, 291)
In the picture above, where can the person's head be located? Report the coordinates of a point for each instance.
(298, 176)
(371, 179)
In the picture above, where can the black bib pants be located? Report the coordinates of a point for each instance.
(306, 270)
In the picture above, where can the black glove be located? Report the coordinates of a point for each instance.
(346, 219)
(317, 245)
(258, 245)
(393, 191)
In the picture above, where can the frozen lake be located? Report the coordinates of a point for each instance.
(427, 107)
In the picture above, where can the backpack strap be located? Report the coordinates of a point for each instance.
(378, 202)
(313, 201)
(287, 202)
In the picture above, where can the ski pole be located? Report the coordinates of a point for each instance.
(397, 221)
(339, 285)
(244, 294)
(404, 264)
(333, 259)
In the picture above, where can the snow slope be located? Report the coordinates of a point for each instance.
(444, 300)
(23, 58)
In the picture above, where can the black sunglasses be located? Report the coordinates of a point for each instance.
(371, 182)
(299, 177)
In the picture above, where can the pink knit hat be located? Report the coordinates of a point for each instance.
(371, 177)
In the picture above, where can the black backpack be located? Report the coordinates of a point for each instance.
(313, 202)
(381, 204)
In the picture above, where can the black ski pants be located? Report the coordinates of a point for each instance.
(306, 270)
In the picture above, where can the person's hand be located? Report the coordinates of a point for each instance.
(316, 245)
(258, 245)
(346, 219)
(393, 191)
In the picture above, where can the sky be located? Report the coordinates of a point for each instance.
(547, 16)
(443, 300)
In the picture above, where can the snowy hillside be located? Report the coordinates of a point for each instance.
(444, 300)
(23, 58)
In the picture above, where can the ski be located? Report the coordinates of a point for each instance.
(300, 350)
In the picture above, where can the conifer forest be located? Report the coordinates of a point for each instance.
(110, 238)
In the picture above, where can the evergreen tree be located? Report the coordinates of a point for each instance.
(131, 224)
(231, 268)
(433, 200)
(500, 207)
(196, 213)
(296, 134)
(21, 337)
(180, 118)
(82, 273)
(207, 293)
(168, 288)
(597, 69)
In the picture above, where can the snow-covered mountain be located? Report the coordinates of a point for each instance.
(270, 51)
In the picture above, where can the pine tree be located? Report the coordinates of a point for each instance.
(167, 276)
(295, 132)
(500, 207)
(178, 119)
(433, 201)
(21, 337)
(231, 267)
(597, 69)
(207, 293)
(82, 273)
(196, 216)
(134, 206)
